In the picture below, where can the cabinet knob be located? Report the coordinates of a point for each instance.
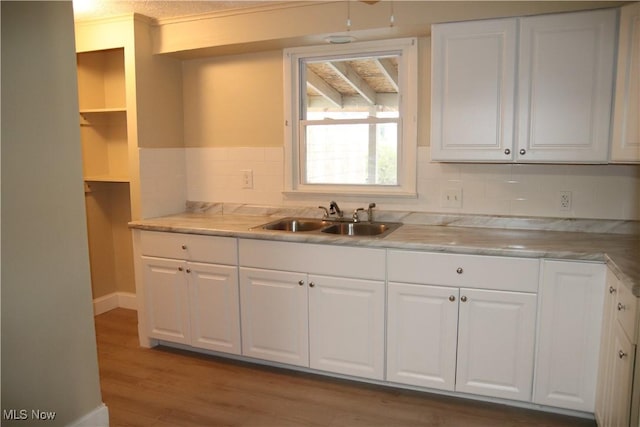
(188, 270)
(452, 298)
(612, 290)
(621, 307)
(184, 247)
(180, 269)
(463, 298)
(507, 151)
(459, 270)
(301, 282)
(522, 151)
(311, 284)
(622, 354)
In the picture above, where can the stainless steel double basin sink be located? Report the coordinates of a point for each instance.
(327, 226)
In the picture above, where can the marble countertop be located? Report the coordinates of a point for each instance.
(620, 251)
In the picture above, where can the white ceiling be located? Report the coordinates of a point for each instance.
(156, 9)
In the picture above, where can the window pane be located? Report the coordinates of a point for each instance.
(352, 154)
(340, 88)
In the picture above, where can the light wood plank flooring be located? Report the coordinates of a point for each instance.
(167, 387)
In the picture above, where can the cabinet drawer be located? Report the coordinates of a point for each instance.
(626, 311)
(191, 247)
(470, 271)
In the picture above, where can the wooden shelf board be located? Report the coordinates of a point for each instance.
(102, 110)
(106, 178)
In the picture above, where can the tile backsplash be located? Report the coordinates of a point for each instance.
(214, 174)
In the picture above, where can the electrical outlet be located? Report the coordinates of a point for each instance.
(565, 201)
(451, 198)
(247, 178)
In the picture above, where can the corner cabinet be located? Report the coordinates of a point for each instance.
(618, 397)
(625, 144)
(314, 306)
(561, 66)
(190, 290)
(444, 308)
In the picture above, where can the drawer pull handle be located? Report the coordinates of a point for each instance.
(184, 247)
(301, 282)
(612, 290)
(621, 307)
(459, 270)
(622, 354)
(463, 298)
(452, 298)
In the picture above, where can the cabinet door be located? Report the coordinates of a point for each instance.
(569, 326)
(623, 354)
(496, 336)
(605, 385)
(565, 87)
(167, 299)
(215, 307)
(274, 315)
(472, 92)
(422, 330)
(625, 145)
(346, 326)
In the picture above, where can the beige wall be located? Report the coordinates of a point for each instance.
(49, 359)
(234, 101)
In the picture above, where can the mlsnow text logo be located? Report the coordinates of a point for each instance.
(25, 414)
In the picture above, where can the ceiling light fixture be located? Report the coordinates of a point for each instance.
(343, 38)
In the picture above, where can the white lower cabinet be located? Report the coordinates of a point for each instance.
(190, 302)
(496, 336)
(465, 339)
(274, 315)
(329, 322)
(346, 326)
(570, 317)
(422, 331)
(512, 328)
(617, 401)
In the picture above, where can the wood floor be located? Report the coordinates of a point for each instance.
(168, 387)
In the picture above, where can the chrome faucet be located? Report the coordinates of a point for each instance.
(334, 209)
(356, 217)
(355, 214)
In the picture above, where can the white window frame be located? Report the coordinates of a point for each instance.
(407, 135)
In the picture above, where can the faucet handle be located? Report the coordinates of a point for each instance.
(370, 212)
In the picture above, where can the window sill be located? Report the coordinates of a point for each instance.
(365, 193)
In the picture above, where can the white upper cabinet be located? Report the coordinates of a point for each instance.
(565, 86)
(625, 144)
(535, 89)
(472, 95)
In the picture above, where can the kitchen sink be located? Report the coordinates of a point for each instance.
(295, 225)
(361, 228)
(340, 228)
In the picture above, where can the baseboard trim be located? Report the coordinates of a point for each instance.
(99, 417)
(114, 300)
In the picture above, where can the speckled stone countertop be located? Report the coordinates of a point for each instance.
(619, 250)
